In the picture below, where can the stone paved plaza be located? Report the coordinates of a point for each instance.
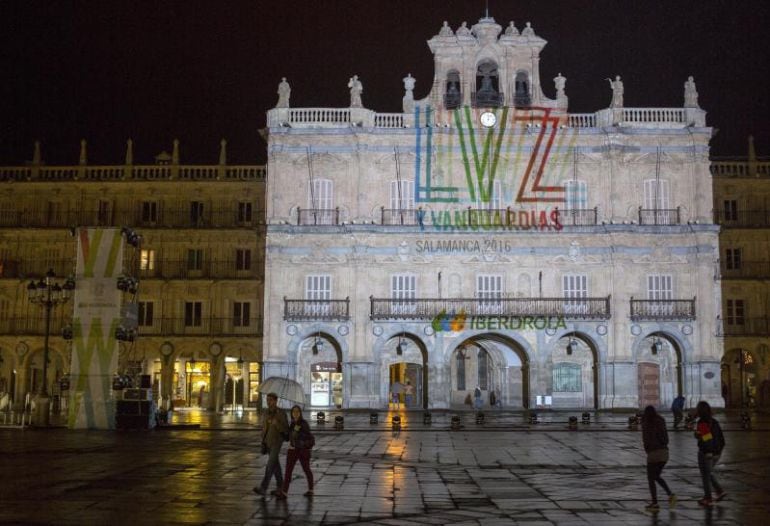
(505, 472)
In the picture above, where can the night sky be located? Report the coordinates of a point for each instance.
(201, 71)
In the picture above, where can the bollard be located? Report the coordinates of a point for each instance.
(573, 423)
(455, 423)
(373, 418)
(480, 418)
(586, 417)
(395, 423)
(320, 418)
(633, 423)
(532, 417)
(339, 423)
(745, 420)
(427, 418)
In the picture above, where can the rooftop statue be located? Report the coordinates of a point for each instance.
(445, 30)
(284, 93)
(511, 30)
(690, 93)
(617, 92)
(528, 31)
(408, 100)
(355, 92)
(463, 30)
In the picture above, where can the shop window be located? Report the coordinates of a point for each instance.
(567, 378)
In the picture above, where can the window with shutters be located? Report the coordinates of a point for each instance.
(402, 195)
(575, 290)
(241, 314)
(403, 292)
(489, 292)
(318, 292)
(656, 199)
(321, 201)
(193, 314)
(660, 288)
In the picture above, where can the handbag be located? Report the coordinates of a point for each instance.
(657, 455)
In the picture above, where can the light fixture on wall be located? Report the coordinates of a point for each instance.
(571, 346)
(657, 346)
(318, 345)
(401, 347)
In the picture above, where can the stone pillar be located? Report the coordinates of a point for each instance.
(625, 385)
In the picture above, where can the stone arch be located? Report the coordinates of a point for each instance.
(585, 352)
(303, 355)
(416, 352)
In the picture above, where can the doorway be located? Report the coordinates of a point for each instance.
(326, 384)
(649, 384)
(405, 381)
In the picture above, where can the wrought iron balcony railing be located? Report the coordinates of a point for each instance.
(430, 308)
(740, 326)
(318, 216)
(578, 217)
(30, 268)
(662, 310)
(746, 270)
(660, 216)
(404, 216)
(742, 218)
(212, 326)
(487, 99)
(312, 310)
(217, 269)
(33, 326)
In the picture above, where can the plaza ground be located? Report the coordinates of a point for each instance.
(503, 472)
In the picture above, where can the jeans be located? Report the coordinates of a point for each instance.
(654, 470)
(408, 400)
(273, 468)
(706, 463)
(292, 455)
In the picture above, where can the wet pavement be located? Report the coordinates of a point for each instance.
(505, 471)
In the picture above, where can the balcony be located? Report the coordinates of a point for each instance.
(742, 219)
(217, 269)
(744, 327)
(32, 326)
(488, 99)
(179, 326)
(404, 217)
(316, 310)
(134, 172)
(747, 270)
(318, 216)
(29, 268)
(578, 216)
(430, 308)
(662, 310)
(660, 216)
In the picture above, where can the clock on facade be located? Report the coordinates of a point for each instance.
(488, 119)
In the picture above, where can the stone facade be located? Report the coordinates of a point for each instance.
(551, 258)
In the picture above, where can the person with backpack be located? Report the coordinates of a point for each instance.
(711, 442)
(301, 441)
(655, 440)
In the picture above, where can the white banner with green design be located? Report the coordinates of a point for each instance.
(96, 315)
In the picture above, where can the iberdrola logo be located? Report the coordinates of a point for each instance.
(449, 322)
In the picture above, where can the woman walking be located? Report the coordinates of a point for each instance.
(655, 440)
(711, 441)
(301, 441)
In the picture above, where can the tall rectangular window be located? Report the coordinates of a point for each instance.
(575, 290)
(243, 259)
(733, 258)
(656, 198)
(195, 259)
(660, 288)
(149, 212)
(489, 292)
(320, 200)
(244, 212)
(567, 378)
(241, 314)
(103, 216)
(403, 292)
(147, 259)
(402, 195)
(575, 195)
(318, 292)
(730, 209)
(145, 310)
(193, 311)
(736, 312)
(196, 212)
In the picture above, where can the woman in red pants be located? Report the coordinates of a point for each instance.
(301, 441)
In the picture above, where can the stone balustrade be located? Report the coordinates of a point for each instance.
(743, 168)
(132, 172)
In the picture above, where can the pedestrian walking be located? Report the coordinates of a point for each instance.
(301, 441)
(273, 433)
(677, 407)
(477, 403)
(655, 440)
(711, 442)
(408, 394)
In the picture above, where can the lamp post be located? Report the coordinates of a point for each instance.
(47, 293)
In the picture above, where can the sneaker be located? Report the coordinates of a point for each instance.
(258, 490)
(652, 506)
(672, 501)
(720, 495)
(309, 493)
(706, 502)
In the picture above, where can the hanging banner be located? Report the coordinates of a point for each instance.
(96, 315)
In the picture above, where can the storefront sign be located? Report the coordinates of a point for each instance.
(326, 367)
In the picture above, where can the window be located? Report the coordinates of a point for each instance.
(318, 292)
(244, 212)
(656, 198)
(575, 288)
(403, 287)
(195, 259)
(489, 290)
(733, 258)
(192, 313)
(320, 199)
(243, 259)
(241, 314)
(149, 212)
(103, 213)
(145, 313)
(147, 259)
(460, 358)
(196, 212)
(575, 195)
(730, 209)
(402, 195)
(567, 378)
(4, 309)
(736, 313)
(483, 363)
(659, 288)
(53, 213)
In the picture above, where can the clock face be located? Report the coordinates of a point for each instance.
(488, 119)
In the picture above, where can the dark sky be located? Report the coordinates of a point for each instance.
(200, 71)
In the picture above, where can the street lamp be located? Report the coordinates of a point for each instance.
(47, 293)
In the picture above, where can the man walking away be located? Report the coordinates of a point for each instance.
(677, 407)
(655, 440)
(274, 430)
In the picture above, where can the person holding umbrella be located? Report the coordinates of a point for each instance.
(275, 428)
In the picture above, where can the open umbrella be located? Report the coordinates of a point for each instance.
(285, 389)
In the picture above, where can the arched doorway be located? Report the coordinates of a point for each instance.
(493, 363)
(406, 358)
(659, 370)
(739, 378)
(320, 370)
(574, 374)
(34, 371)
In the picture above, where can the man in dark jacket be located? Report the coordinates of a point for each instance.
(677, 407)
(655, 441)
(273, 432)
